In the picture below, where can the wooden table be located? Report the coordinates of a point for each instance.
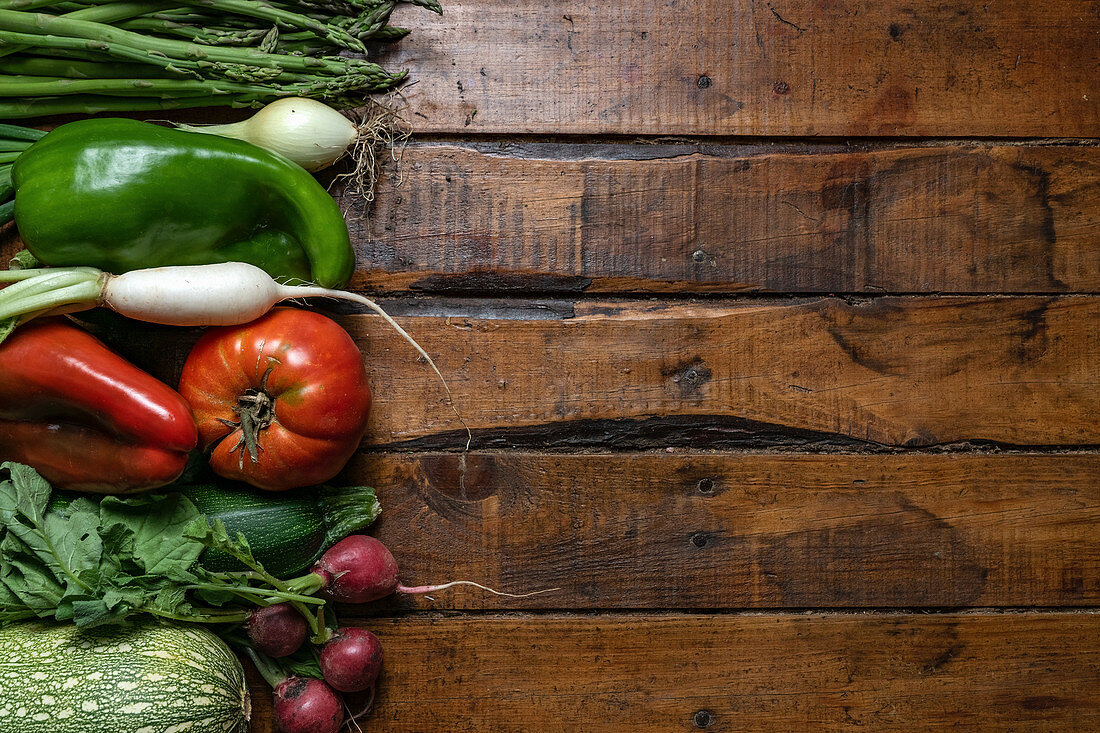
(778, 331)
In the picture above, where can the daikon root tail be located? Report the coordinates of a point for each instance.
(299, 291)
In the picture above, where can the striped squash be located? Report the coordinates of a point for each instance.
(142, 678)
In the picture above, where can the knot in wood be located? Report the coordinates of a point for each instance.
(702, 718)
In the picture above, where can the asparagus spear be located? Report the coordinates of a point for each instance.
(24, 108)
(46, 31)
(61, 56)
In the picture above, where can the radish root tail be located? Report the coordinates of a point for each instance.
(422, 589)
(353, 718)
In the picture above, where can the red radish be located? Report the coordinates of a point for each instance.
(277, 630)
(307, 705)
(359, 569)
(351, 659)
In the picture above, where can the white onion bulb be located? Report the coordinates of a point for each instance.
(309, 132)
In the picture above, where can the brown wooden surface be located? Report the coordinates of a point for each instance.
(619, 231)
(896, 371)
(604, 674)
(573, 218)
(704, 477)
(694, 531)
(782, 67)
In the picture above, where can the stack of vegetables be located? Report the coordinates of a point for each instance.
(142, 528)
(277, 402)
(79, 56)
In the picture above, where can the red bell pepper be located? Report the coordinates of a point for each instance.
(84, 417)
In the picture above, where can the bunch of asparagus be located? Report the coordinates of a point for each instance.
(87, 56)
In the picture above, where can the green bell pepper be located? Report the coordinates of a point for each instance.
(121, 195)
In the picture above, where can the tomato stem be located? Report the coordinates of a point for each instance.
(256, 410)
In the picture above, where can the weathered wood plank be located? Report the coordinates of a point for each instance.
(807, 374)
(657, 530)
(898, 371)
(564, 218)
(607, 674)
(787, 67)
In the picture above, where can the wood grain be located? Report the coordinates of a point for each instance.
(660, 530)
(567, 218)
(785, 67)
(896, 371)
(736, 673)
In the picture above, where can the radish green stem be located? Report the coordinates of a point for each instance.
(266, 667)
(302, 608)
(266, 593)
(69, 295)
(40, 290)
(262, 603)
(321, 632)
(310, 583)
(246, 574)
(208, 617)
(310, 617)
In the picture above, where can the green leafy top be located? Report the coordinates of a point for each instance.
(99, 562)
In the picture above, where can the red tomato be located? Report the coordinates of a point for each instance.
(283, 400)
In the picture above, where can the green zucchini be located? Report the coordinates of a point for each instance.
(287, 530)
(139, 678)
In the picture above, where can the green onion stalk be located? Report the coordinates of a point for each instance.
(13, 141)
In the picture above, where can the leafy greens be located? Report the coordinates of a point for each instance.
(100, 562)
